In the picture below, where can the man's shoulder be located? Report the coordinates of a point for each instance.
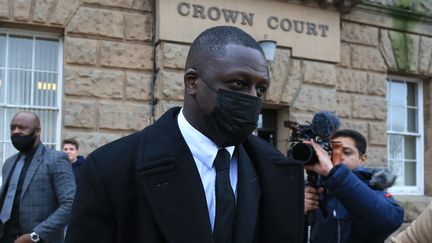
(256, 145)
(120, 146)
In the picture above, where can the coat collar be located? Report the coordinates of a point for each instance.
(169, 180)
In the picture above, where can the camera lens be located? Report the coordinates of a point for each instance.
(304, 152)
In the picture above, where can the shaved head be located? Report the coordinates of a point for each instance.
(30, 116)
(212, 43)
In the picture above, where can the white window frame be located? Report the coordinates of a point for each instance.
(419, 188)
(58, 108)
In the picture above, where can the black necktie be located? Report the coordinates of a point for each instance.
(225, 200)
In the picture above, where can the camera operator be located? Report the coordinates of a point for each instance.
(357, 208)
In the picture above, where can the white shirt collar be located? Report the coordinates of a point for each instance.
(202, 147)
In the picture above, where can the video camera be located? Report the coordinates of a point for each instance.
(324, 124)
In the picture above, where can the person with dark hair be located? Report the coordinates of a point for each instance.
(38, 187)
(196, 175)
(71, 147)
(354, 204)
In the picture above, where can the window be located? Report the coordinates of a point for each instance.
(405, 134)
(30, 79)
(267, 126)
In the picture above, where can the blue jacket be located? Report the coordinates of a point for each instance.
(76, 167)
(358, 208)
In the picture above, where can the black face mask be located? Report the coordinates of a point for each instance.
(233, 118)
(23, 143)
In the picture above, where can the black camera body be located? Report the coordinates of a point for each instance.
(302, 151)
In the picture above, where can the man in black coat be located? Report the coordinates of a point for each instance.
(160, 184)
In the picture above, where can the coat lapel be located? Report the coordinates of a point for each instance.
(172, 186)
(34, 165)
(248, 198)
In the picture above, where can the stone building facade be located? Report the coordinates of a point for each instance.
(117, 79)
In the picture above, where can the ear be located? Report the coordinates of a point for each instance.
(190, 80)
(38, 131)
(363, 159)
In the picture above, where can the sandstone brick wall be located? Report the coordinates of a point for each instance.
(107, 81)
(108, 71)
(107, 62)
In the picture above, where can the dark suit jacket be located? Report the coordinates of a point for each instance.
(146, 188)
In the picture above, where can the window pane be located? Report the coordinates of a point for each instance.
(412, 120)
(46, 55)
(398, 118)
(48, 120)
(412, 94)
(398, 93)
(2, 125)
(397, 168)
(395, 147)
(1, 154)
(45, 89)
(9, 150)
(10, 112)
(20, 52)
(410, 174)
(2, 85)
(2, 50)
(410, 147)
(19, 87)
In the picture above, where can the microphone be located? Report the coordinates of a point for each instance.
(325, 123)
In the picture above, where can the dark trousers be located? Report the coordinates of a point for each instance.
(4, 236)
(8, 239)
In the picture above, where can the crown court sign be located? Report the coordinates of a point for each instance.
(311, 33)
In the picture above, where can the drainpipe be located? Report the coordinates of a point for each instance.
(153, 99)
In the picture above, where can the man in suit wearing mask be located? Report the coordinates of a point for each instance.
(38, 187)
(196, 175)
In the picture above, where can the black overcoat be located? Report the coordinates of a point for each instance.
(145, 188)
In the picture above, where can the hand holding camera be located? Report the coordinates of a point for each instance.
(324, 164)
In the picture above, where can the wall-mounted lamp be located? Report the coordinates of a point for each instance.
(269, 48)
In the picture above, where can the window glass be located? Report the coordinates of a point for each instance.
(46, 54)
(412, 120)
(48, 119)
(45, 89)
(398, 118)
(410, 147)
(20, 52)
(396, 147)
(411, 94)
(2, 125)
(2, 85)
(410, 174)
(19, 87)
(2, 51)
(397, 167)
(398, 93)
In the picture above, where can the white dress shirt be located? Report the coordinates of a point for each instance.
(204, 152)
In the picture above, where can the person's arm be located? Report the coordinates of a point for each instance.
(64, 186)
(419, 231)
(91, 218)
(376, 211)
